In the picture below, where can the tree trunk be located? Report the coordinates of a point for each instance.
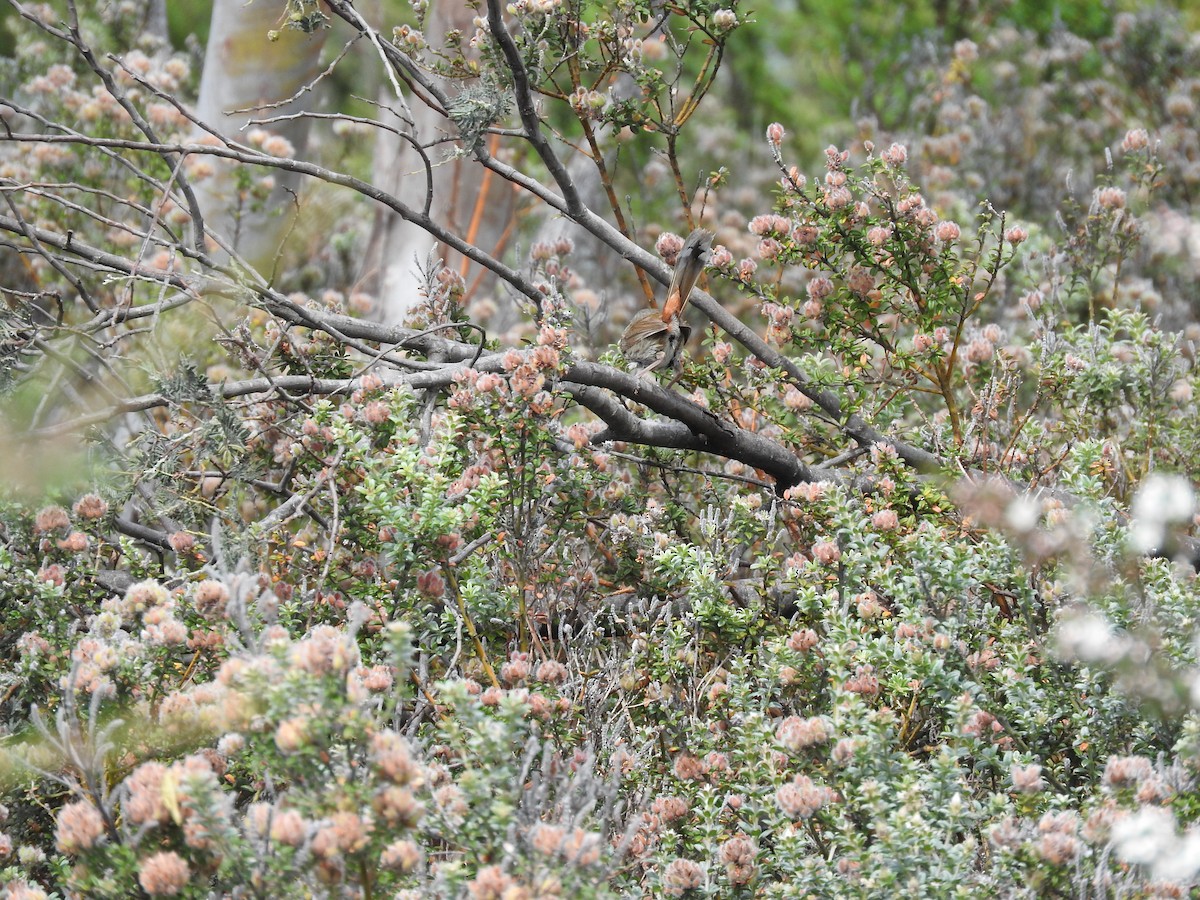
(466, 198)
(246, 70)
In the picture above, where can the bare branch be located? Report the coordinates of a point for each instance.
(523, 92)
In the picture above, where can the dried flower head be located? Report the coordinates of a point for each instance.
(51, 518)
(91, 507)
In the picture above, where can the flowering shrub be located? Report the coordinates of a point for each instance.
(892, 592)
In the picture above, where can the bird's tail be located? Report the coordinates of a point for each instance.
(692, 259)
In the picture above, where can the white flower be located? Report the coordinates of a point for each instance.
(1184, 862)
(1145, 836)
(1148, 838)
(1088, 637)
(725, 19)
(1161, 500)
(1023, 513)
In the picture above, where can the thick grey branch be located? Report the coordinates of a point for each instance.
(720, 439)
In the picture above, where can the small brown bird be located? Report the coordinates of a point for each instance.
(653, 339)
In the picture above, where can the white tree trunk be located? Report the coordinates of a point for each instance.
(243, 70)
(468, 200)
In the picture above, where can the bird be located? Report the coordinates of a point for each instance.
(652, 339)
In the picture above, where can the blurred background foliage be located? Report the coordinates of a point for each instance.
(807, 62)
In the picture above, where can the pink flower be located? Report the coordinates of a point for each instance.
(51, 518)
(144, 802)
(578, 435)
(801, 798)
(947, 232)
(838, 197)
(546, 838)
(80, 827)
(1110, 198)
(377, 679)
(979, 350)
(350, 831)
(761, 225)
(737, 854)
(689, 768)
(1016, 235)
(802, 641)
(91, 506)
(843, 750)
(669, 809)
(1135, 139)
(288, 827)
(210, 599)
(879, 235)
(492, 696)
(806, 235)
(143, 596)
(796, 734)
(885, 520)
(527, 381)
(796, 400)
(75, 542)
(819, 288)
(491, 883)
(868, 605)
(291, 734)
(393, 758)
(551, 672)
(925, 217)
(164, 874)
(1027, 779)
(1126, 771)
(1057, 849)
(431, 584)
(864, 682)
(400, 856)
(681, 876)
(724, 20)
(546, 358)
(966, 50)
(895, 155)
(375, 413)
(768, 249)
(277, 145)
(19, 890)
(826, 552)
(775, 134)
(861, 281)
(516, 669)
(326, 650)
(668, 246)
